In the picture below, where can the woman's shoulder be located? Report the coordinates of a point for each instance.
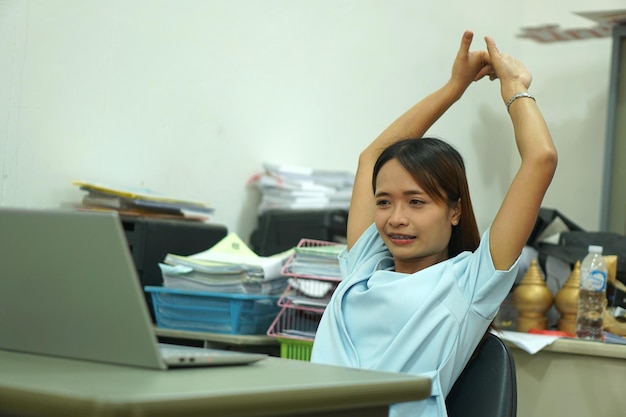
(481, 253)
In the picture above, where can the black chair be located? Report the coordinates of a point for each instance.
(487, 387)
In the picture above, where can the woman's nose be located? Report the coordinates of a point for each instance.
(397, 216)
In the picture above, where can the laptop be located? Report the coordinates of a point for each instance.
(69, 288)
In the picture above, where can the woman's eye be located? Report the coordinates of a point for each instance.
(382, 203)
(415, 202)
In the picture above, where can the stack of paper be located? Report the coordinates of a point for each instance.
(289, 187)
(316, 261)
(229, 266)
(309, 292)
(140, 201)
(315, 273)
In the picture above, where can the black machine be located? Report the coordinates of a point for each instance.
(279, 230)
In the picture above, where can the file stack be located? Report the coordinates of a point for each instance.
(228, 267)
(140, 202)
(314, 271)
(299, 188)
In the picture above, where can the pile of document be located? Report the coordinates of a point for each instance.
(230, 266)
(140, 202)
(314, 272)
(290, 187)
(316, 261)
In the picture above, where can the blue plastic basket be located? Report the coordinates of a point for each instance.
(212, 312)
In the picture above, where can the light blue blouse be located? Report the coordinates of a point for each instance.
(426, 323)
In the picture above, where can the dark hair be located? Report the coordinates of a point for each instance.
(439, 169)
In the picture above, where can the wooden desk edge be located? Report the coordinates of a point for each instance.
(314, 399)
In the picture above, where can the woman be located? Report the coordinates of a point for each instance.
(420, 286)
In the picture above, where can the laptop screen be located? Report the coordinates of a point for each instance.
(69, 287)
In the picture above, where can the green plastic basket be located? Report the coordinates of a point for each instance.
(295, 349)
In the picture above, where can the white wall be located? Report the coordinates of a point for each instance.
(190, 97)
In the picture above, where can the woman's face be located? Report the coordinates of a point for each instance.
(415, 227)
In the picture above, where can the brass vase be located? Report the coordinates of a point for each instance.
(566, 301)
(532, 299)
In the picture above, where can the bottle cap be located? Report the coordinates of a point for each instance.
(595, 249)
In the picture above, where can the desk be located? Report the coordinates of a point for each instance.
(571, 378)
(45, 386)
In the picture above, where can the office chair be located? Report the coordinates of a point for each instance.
(487, 387)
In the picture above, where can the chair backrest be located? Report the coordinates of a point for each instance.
(487, 387)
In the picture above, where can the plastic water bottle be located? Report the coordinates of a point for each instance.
(592, 295)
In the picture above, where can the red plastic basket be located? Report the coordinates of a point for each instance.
(295, 323)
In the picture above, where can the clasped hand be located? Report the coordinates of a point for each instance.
(474, 65)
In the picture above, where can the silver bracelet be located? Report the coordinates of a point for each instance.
(516, 96)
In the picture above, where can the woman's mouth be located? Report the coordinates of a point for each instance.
(400, 239)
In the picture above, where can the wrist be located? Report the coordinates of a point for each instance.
(510, 89)
(517, 96)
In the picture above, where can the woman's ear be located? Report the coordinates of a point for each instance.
(455, 213)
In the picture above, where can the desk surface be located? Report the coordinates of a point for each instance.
(583, 347)
(38, 385)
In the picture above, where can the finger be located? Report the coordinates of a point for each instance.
(491, 46)
(485, 70)
(466, 41)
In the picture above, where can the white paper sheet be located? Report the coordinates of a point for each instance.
(531, 343)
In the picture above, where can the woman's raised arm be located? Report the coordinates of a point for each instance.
(518, 213)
